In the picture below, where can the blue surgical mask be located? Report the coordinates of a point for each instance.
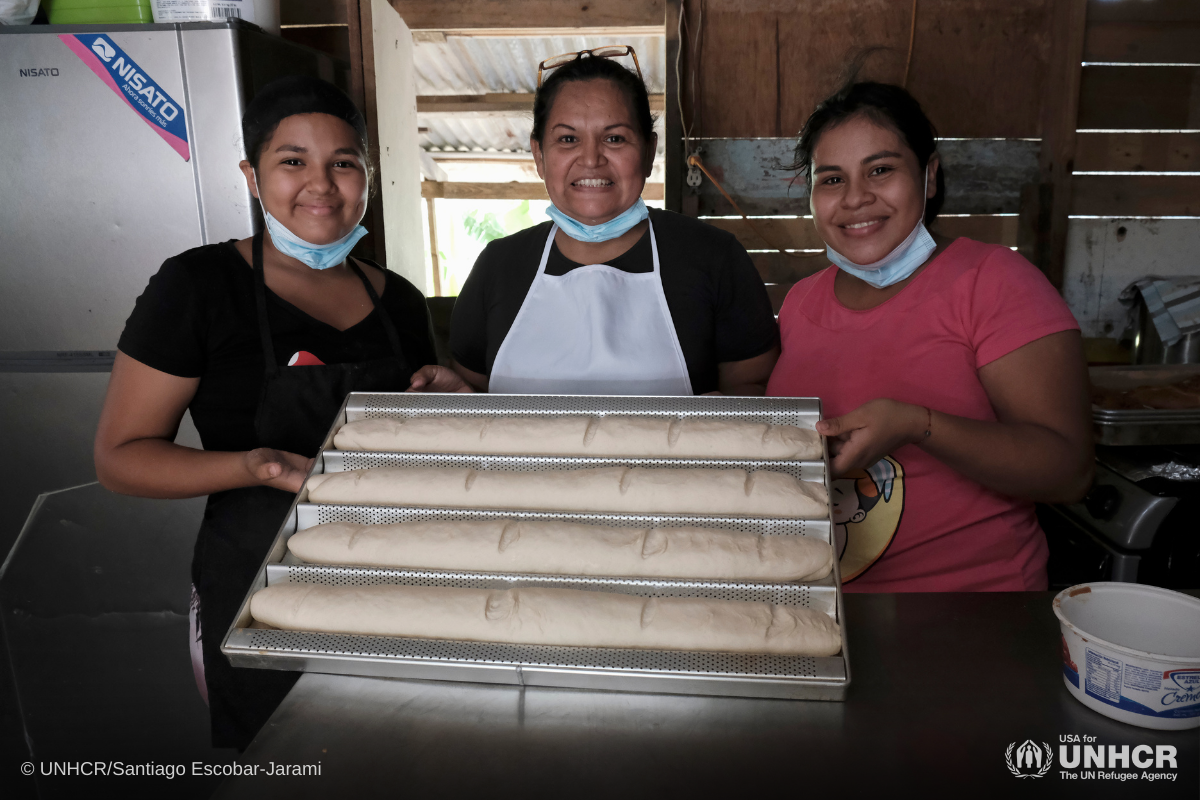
(617, 226)
(897, 265)
(317, 256)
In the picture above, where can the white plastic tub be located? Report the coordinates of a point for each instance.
(1132, 652)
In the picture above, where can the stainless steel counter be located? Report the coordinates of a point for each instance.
(943, 684)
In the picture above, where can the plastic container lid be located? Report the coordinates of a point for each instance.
(99, 12)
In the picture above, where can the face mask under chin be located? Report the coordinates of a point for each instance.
(905, 259)
(605, 231)
(316, 256)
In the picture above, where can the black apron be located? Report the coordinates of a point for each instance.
(295, 410)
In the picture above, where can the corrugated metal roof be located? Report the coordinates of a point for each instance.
(506, 134)
(486, 134)
(483, 65)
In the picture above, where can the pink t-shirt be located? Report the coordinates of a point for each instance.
(910, 523)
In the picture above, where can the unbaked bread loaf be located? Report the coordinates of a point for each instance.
(606, 436)
(547, 547)
(734, 492)
(541, 616)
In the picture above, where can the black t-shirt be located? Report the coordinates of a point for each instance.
(717, 300)
(197, 319)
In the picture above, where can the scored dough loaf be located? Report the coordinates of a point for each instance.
(542, 616)
(567, 548)
(736, 492)
(607, 436)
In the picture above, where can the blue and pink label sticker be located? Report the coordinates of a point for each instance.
(131, 83)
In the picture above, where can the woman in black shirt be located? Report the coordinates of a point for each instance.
(261, 339)
(610, 298)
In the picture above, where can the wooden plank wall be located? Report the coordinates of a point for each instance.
(1138, 139)
(319, 24)
(761, 67)
(983, 69)
(1139, 110)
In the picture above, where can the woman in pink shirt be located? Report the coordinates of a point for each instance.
(951, 372)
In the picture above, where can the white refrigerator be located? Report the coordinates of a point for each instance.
(119, 148)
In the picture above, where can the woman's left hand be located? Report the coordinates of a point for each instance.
(278, 469)
(433, 378)
(868, 433)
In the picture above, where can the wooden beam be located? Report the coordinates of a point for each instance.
(1136, 195)
(1100, 11)
(433, 246)
(544, 14)
(491, 105)
(780, 268)
(1143, 42)
(798, 233)
(459, 190)
(984, 176)
(312, 12)
(673, 124)
(362, 92)
(1060, 114)
(331, 39)
(1140, 97)
(371, 110)
(993, 229)
(1136, 152)
(794, 233)
(1033, 221)
(354, 24)
(439, 36)
(766, 64)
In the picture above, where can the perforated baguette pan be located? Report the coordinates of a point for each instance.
(675, 672)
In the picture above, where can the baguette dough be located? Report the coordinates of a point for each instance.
(732, 492)
(607, 436)
(542, 616)
(567, 548)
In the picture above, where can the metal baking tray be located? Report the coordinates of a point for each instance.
(675, 672)
(1144, 426)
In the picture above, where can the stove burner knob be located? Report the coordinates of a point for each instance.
(1102, 501)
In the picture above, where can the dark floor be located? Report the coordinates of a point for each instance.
(94, 600)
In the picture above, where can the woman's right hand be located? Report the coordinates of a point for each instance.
(277, 469)
(433, 378)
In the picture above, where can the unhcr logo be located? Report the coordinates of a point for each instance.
(1031, 761)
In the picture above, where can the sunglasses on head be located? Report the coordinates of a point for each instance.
(608, 51)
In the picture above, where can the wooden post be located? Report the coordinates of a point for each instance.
(354, 29)
(1060, 114)
(673, 127)
(362, 92)
(433, 248)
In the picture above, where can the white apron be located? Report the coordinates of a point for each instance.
(595, 330)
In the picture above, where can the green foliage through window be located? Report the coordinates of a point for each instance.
(485, 229)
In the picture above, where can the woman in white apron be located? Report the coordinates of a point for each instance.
(610, 297)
